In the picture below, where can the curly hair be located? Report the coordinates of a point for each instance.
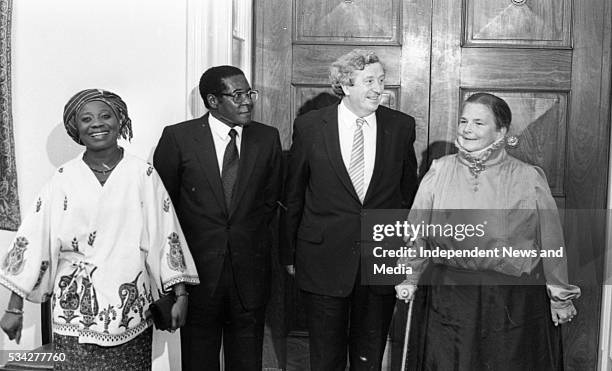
(341, 71)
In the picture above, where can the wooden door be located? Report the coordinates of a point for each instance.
(550, 60)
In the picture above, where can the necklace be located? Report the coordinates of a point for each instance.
(107, 169)
(104, 172)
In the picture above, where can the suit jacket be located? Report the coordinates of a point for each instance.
(186, 161)
(322, 222)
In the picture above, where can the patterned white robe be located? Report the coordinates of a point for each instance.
(101, 253)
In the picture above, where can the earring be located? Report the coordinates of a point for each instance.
(512, 140)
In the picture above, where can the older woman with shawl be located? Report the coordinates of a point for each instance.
(492, 299)
(100, 241)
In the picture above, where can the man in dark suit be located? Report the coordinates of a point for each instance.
(222, 172)
(347, 157)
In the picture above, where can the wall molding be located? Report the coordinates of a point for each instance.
(209, 43)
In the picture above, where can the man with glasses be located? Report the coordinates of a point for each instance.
(222, 172)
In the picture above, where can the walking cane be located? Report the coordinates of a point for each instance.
(407, 332)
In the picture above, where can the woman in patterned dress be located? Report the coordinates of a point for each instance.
(100, 241)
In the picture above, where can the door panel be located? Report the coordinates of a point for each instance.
(538, 69)
(519, 23)
(347, 22)
(549, 59)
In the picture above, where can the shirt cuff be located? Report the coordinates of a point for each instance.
(558, 293)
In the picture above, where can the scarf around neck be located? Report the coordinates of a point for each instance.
(477, 160)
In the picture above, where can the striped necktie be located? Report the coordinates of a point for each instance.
(357, 166)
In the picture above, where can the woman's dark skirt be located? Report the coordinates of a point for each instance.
(470, 320)
(133, 355)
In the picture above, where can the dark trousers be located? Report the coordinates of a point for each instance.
(222, 316)
(359, 321)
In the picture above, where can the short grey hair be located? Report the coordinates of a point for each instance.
(341, 71)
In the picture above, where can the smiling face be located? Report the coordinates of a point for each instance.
(225, 109)
(364, 96)
(477, 127)
(98, 126)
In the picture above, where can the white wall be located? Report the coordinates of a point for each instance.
(134, 48)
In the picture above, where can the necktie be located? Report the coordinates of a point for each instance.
(230, 168)
(356, 168)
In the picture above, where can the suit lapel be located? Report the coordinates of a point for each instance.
(248, 155)
(383, 139)
(205, 152)
(332, 144)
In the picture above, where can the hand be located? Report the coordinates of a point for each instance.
(405, 291)
(290, 269)
(562, 312)
(179, 313)
(12, 324)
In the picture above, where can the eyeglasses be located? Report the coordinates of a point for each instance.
(240, 96)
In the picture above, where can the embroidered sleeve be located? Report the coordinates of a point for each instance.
(168, 258)
(551, 238)
(25, 264)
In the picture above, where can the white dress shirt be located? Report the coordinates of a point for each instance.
(220, 133)
(346, 130)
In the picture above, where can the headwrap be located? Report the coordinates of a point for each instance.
(81, 98)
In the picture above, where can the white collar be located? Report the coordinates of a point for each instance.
(220, 129)
(350, 117)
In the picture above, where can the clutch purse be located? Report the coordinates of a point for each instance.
(161, 311)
